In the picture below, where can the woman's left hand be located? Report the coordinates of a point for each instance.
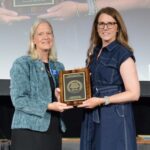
(61, 11)
(91, 103)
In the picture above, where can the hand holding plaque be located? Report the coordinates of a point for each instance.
(75, 86)
(29, 7)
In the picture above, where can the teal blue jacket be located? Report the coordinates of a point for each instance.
(31, 92)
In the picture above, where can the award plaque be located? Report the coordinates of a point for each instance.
(29, 7)
(75, 86)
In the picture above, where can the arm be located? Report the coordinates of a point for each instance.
(8, 16)
(20, 91)
(131, 83)
(118, 4)
(68, 9)
(65, 9)
(123, 4)
(23, 99)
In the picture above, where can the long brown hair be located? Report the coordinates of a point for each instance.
(95, 39)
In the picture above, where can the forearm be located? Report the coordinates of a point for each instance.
(28, 105)
(82, 8)
(121, 4)
(122, 97)
(92, 6)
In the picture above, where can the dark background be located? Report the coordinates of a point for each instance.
(73, 117)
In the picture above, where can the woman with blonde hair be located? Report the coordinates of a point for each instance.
(36, 123)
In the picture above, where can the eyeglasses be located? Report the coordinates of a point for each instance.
(109, 25)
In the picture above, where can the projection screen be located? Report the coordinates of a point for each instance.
(72, 29)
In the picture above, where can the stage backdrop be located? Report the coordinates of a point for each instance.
(72, 31)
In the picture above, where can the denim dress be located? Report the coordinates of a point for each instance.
(108, 127)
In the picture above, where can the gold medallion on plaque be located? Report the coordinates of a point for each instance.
(74, 86)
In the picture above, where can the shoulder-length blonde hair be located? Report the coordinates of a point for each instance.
(32, 47)
(95, 39)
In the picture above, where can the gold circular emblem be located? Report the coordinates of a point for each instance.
(74, 86)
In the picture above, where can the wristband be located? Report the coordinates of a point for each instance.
(92, 7)
(106, 99)
(77, 11)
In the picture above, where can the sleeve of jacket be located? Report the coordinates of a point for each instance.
(20, 91)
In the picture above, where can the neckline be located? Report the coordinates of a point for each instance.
(99, 53)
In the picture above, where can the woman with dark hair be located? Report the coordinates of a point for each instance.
(108, 122)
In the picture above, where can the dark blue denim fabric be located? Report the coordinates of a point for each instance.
(108, 127)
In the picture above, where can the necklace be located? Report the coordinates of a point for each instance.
(100, 51)
(47, 70)
(48, 73)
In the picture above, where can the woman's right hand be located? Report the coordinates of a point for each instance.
(58, 106)
(9, 16)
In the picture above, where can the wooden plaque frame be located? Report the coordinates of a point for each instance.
(75, 86)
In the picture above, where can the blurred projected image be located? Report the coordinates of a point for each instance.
(15, 10)
(72, 22)
(29, 7)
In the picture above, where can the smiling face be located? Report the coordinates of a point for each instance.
(43, 37)
(107, 28)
